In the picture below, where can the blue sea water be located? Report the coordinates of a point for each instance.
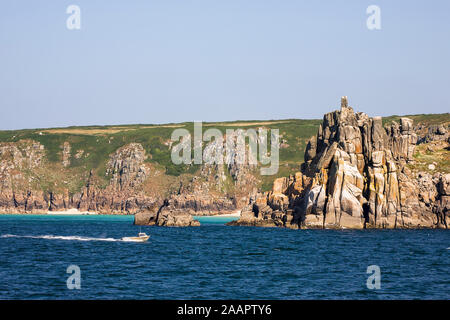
(215, 261)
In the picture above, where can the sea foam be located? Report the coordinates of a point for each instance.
(70, 238)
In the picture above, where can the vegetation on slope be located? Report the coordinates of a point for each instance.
(91, 147)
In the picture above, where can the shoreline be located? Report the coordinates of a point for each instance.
(72, 211)
(233, 214)
(234, 224)
(236, 214)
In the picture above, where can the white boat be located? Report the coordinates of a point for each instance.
(142, 237)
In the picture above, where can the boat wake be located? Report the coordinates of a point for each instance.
(70, 238)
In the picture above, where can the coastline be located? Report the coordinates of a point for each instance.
(233, 214)
(372, 176)
(220, 217)
(72, 211)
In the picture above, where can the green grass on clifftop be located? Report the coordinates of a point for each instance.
(91, 146)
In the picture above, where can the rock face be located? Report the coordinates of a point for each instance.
(66, 154)
(15, 160)
(435, 133)
(442, 205)
(126, 172)
(126, 167)
(19, 194)
(355, 175)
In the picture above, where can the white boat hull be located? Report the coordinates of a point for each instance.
(136, 239)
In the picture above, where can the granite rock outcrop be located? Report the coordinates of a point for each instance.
(355, 175)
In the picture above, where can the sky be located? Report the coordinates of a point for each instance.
(164, 61)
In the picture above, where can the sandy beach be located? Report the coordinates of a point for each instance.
(72, 211)
(234, 214)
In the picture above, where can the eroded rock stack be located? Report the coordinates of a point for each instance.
(355, 175)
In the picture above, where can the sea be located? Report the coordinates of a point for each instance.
(83, 257)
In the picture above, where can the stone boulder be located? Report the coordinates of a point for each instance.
(166, 216)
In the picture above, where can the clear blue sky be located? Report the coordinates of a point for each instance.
(212, 60)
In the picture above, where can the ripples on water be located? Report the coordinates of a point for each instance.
(215, 261)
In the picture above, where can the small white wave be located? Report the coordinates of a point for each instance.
(53, 237)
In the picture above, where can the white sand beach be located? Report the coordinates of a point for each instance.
(234, 214)
(72, 211)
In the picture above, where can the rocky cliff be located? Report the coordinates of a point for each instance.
(130, 185)
(21, 192)
(358, 174)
